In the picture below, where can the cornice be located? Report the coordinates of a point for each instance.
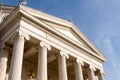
(87, 41)
(46, 17)
(11, 17)
(62, 22)
(50, 18)
(48, 28)
(6, 8)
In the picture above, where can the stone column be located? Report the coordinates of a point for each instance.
(62, 66)
(17, 57)
(42, 61)
(3, 63)
(78, 69)
(101, 75)
(91, 74)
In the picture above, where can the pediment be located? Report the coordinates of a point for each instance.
(68, 34)
(66, 28)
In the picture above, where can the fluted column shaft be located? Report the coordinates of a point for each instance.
(62, 66)
(91, 74)
(42, 62)
(3, 63)
(17, 58)
(78, 70)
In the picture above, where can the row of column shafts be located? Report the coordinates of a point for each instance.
(17, 59)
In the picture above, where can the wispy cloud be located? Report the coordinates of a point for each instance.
(105, 42)
(111, 54)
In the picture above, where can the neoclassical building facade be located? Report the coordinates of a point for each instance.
(38, 46)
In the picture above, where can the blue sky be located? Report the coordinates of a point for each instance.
(99, 20)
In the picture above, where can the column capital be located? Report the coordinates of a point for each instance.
(92, 67)
(20, 33)
(43, 44)
(102, 72)
(79, 61)
(62, 53)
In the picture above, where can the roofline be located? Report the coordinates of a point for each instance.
(46, 16)
(2, 4)
(43, 24)
(75, 29)
(6, 8)
(88, 42)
